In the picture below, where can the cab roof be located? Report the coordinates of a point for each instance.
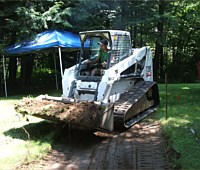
(103, 31)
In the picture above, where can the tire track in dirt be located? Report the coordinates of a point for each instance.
(140, 147)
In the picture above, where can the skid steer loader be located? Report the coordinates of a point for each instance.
(124, 92)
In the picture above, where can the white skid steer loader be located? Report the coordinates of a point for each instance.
(124, 91)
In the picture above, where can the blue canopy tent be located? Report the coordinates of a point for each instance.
(47, 39)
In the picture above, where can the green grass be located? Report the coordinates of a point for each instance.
(183, 117)
(15, 98)
(15, 145)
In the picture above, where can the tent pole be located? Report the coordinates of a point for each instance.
(4, 76)
(60, 57)
(55, 71)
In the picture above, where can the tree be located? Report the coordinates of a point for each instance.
(89, 15)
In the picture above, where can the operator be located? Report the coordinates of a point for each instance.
(101, 58)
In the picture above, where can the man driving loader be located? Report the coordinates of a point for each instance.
(101, 58)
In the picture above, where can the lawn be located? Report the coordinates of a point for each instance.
(22, 141)
(182, 128)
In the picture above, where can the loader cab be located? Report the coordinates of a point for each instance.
(85, 87)
(90, 50)
(119, 46)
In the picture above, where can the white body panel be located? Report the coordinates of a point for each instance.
(70, 75)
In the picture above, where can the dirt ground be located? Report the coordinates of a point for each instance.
(141, 147)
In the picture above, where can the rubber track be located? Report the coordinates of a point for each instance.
(133, 105)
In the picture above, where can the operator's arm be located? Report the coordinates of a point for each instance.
(96, 60)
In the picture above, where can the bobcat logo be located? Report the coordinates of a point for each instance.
(148, 71)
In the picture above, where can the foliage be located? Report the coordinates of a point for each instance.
(89, 15)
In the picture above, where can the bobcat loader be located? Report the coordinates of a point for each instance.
(122, 95)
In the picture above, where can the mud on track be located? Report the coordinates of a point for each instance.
(141, 147)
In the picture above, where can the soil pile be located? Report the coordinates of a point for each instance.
(86, 113)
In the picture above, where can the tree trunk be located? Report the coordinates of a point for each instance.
(162, 74)
(26, 70)
(12, 73)
(12, 68)
(159, 58)
(107, 23)
(131, 34)
(134, 36)
(156, 61)
(160, 29)
(141, 34)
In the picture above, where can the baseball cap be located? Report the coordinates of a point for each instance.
(103, 42)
